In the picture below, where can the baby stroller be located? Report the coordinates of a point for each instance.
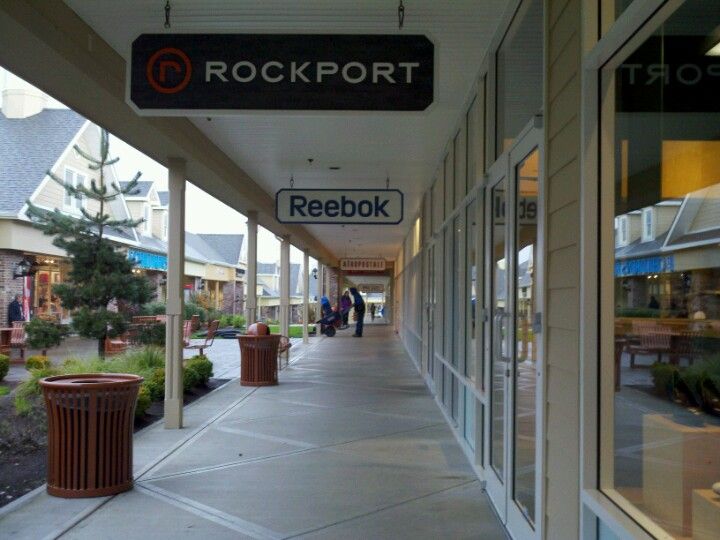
(332, 318)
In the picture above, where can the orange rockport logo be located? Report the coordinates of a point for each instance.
(167, 66)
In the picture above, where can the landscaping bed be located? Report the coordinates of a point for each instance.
(23, 423)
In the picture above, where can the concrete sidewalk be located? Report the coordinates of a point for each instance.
(350, 445)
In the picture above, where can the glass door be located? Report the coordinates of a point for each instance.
(496, 307)
(514, 274)
(430, 313)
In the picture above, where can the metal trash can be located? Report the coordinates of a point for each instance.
(90, 433)
(258, 360)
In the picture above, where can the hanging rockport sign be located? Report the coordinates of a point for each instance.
(186, 74)
(339, 206)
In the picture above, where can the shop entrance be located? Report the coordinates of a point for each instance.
(513, 285)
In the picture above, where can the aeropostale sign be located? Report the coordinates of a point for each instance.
(339, 206)
(186, 74)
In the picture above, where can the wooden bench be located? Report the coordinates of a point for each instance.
(18, 337)
(209, 338)
(284, 350)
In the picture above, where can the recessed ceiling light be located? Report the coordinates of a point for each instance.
(334, 168)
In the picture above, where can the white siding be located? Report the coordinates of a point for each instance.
(563, 263)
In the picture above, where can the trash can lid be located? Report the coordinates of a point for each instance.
(89, 380)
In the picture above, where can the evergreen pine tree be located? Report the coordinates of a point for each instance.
(100, 274)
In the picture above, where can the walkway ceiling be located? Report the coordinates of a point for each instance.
(367, 147)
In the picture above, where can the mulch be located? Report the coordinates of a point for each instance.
(23, 441)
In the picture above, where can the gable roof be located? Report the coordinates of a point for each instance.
(142, 189)
(228, 246)
(28, 148)
(267, 269)
(164, 197)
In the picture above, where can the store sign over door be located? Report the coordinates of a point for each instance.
(199, 74)
(339, 206)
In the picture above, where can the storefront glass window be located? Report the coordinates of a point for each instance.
(458, 306)
(472, 293)
(519, 74)
(665, 161)
(526, 343)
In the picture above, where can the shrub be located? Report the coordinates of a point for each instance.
(236, 321)
(152, 334)
(42, 334)
(143, 401)
(37, 362)
(203, 368)
(30, 390)
(191, 378)
(153, 308)
(191, 308)
(4, 366)
(155, 384)
(213, 314)
(700, 375)
(663, 376)
(4, 390)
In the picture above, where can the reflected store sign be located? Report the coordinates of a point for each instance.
(185, 74)
(671, 74)
(339, 206)
(645, 266)
(148, 261)
(525, 214)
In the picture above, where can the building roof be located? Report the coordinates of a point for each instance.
(266, 291)
(268, 269)
(141, 191)
(638, 248)
(164, 197)
(228, 246)
(29, 147)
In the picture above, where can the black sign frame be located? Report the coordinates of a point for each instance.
(208, 74)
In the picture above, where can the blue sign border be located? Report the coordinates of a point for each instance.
(402, 207)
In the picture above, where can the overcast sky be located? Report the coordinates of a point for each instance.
(203, 213)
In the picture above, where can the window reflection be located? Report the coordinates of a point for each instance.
(526, 353)
(667, 276)
(472, 298)
(519, 74)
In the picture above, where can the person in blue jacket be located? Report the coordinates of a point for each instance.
(359, 305)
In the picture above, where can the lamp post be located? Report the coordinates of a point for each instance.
(23, 268)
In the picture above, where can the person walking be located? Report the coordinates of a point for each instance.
(345, 305)
(15, 310)
(373, 307)
(359, 305)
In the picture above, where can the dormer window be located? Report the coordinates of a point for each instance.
(623, 231)
(648, 224)
(72, 203)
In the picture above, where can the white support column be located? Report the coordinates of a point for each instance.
(285, 286)
(251, 277)
(306, 295)
(320, 288)
(175, 300)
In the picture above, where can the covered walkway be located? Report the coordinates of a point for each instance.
(350, 445)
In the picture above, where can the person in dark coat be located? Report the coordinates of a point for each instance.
(15, 310)
(345, 305)
(359, 305)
